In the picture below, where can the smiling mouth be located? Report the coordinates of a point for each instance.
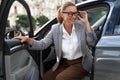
(73, 20)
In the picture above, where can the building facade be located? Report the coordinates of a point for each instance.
(38, 8)
(45, 7)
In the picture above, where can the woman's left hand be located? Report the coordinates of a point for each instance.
(83, 16)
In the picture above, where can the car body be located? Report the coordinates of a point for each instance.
(17, 62)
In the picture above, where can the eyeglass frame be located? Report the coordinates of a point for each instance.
(70, 14)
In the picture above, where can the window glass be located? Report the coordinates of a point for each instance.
(97, 16)
(17, 22)
(117, 29)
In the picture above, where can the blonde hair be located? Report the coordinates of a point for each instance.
(61, 9)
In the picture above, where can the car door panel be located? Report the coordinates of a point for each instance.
(107, 58)
(19, 64)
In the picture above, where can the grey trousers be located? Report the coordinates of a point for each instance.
(67, 70)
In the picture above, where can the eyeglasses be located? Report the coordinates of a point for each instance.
(70, 14)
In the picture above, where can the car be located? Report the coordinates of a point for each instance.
(18, 62)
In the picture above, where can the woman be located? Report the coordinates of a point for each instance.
(71, 36)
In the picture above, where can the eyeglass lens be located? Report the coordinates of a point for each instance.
(71, 13)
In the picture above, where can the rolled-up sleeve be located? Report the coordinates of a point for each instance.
(43, 43)
(91, 38)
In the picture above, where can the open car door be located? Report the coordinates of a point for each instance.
(16, 61)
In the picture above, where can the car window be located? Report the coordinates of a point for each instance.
(17, 22)
(117, 29)
(97, 16)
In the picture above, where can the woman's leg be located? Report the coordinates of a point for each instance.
(73, 72)
(50, 75)
(68, 70)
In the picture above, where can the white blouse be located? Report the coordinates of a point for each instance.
(70, 46)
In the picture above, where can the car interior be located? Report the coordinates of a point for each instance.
(24, 64)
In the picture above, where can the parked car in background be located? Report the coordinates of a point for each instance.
(17, 62)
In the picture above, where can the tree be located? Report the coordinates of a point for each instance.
(42, 20)
(23, 21)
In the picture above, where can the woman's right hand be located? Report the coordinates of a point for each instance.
(25, 39)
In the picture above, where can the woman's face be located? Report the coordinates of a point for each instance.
(69, 15)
